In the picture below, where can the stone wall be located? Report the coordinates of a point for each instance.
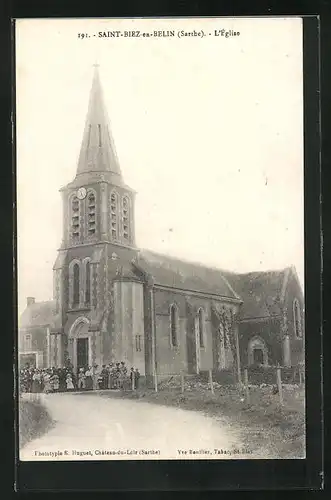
(128, 334)
(170, 359)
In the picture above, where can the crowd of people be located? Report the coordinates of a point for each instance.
(111, 376)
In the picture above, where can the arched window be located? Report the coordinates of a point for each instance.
(114, 215)
(297, 318)
(138, 343)
(91, 221)
(174, 325)
(99, 130)
(201, 328)
(75, 295)
(75, 218)
(87, 283)
(126, 218)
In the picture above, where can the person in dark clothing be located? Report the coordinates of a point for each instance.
(136, 378)
(62, 380)
(117, 375)
(104, 378)
(29, 380)
(132, 379)
(89, 379)
(69, 366)
(24, 381)
(36, 381)
(111, 376)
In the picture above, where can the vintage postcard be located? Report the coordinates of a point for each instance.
(160, 239)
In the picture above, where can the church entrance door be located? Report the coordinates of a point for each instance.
(258, 356)
(82, 353)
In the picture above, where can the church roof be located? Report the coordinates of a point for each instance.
(38, 314)
(125, 272)
(261, 292)
(98, 158)
(176, 273)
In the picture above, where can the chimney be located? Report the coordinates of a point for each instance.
(30, 301)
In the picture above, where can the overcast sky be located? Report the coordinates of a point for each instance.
(209, 132)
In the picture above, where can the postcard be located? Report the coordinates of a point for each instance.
(160, 238)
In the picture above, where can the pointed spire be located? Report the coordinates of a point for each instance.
(97, 153)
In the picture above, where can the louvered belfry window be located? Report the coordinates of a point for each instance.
(113, 216)
(126, 218)
(75, 218)
(91, 214)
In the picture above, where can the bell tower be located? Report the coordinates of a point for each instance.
(98, 241)
(97, 205)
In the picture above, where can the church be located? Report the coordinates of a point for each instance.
(115, 302)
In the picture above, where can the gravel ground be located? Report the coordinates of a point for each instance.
(93, 427)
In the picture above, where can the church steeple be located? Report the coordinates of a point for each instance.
(98, 153)
(98, 205)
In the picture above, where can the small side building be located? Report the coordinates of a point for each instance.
(34, 333)
(271, 325)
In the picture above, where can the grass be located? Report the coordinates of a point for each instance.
(267, 428)
(34, 421)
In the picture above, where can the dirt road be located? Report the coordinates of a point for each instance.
(91, 427)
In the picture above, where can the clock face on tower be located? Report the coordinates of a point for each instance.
(81, 193)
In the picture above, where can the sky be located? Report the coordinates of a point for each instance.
(208, 130)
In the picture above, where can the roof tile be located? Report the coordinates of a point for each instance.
(260, 292)
(37, 314)
(169, 271)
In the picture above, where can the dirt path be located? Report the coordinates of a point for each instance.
(90, 427)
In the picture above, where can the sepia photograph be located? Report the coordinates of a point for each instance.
(160, 239)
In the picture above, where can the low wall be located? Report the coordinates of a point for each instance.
(268, 375)
(223, 377)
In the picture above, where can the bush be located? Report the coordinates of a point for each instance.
(223, 377)
(34, 420)
(259, 374)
